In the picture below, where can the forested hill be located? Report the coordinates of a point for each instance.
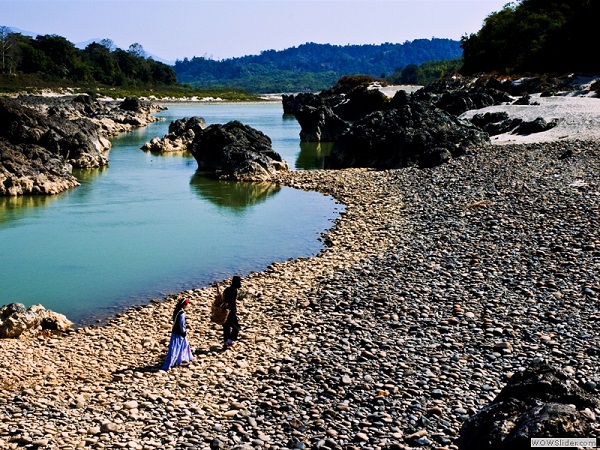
(312, 67)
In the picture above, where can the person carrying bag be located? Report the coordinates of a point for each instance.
(219, 311)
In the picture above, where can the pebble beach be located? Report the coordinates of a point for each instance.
(433, 288)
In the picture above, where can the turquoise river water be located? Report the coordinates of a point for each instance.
(150, 225)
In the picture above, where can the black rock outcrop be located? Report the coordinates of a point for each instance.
(236, 151)
(456, 94)
(181, 134)
(133, 104)
(416, 134)
(541, 402)
(499, 122)
(321, 115)
(43, 138)
(319, 124)
(361, 101)
(37, 151)
(349, 89)
(538, 125)
(293, 102)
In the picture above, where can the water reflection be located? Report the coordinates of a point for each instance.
(87, 175)
(234, 195)
(18, 207)
(313, 155)
(288, 118)
(172, 154)
(11, 207)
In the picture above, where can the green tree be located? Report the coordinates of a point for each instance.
(60, 55)
(102, 64)
(8, 47)
(33, 60)
(108, 43)
(137, 50)
(534, 36)
(410, 74)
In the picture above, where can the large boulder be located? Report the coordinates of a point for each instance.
(457, 94)
(31, 169)
(540, 402)
(319, 124)
(38, 151)
(43, 138)
(15, 320)
(132, 104)
(416, 134)
(361, 101)
(77, 141)
(352, 98)
(500, 122)
(293, 102)
(236, 151)
(181, 134)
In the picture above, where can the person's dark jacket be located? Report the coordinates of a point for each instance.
(230, 297)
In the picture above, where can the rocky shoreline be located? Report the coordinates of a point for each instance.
(436, 286)
(43, 138)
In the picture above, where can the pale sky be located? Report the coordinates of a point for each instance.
(219, 29)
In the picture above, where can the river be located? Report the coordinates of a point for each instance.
(150, 225)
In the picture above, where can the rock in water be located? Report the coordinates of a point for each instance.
(238, 152)
(42, 139)
(319, 124)
(415, 134)
(181, 134)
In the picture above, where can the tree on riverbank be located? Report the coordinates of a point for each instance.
(535, 36)
(51, 58)
(7, 49)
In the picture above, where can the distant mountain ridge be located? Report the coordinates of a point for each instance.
(23, 32)
(312, 66)
(308, 67)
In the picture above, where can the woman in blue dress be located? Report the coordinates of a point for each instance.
(179, 347)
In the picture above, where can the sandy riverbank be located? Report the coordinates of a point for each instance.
(578, 118)
(437, 285)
